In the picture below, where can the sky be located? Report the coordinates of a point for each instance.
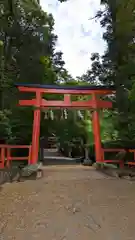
(78, 36)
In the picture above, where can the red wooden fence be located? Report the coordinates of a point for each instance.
(5, 154)
(120, 162)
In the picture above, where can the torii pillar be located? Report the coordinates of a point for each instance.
(36, 129)
(96, 131)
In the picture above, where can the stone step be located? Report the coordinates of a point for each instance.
(51, 153)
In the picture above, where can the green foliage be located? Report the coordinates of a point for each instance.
(116, 66)
(27, 55)
(122, 55)
(5, 126)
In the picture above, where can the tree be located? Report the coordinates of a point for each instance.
(27, 55)
(119, 22)
(116, 66)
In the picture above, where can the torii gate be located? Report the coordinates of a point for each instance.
(39, 102)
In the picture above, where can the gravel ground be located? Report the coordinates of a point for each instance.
(69, 203)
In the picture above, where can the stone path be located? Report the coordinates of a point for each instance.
(69, 203)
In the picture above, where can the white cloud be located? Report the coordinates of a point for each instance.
(78, 36)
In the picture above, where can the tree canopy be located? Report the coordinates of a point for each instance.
(28, 55)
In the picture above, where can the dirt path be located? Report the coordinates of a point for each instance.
(71, 203)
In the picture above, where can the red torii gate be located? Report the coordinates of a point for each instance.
(39, 102)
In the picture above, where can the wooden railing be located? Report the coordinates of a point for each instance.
(118, 161)
(5, 154)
